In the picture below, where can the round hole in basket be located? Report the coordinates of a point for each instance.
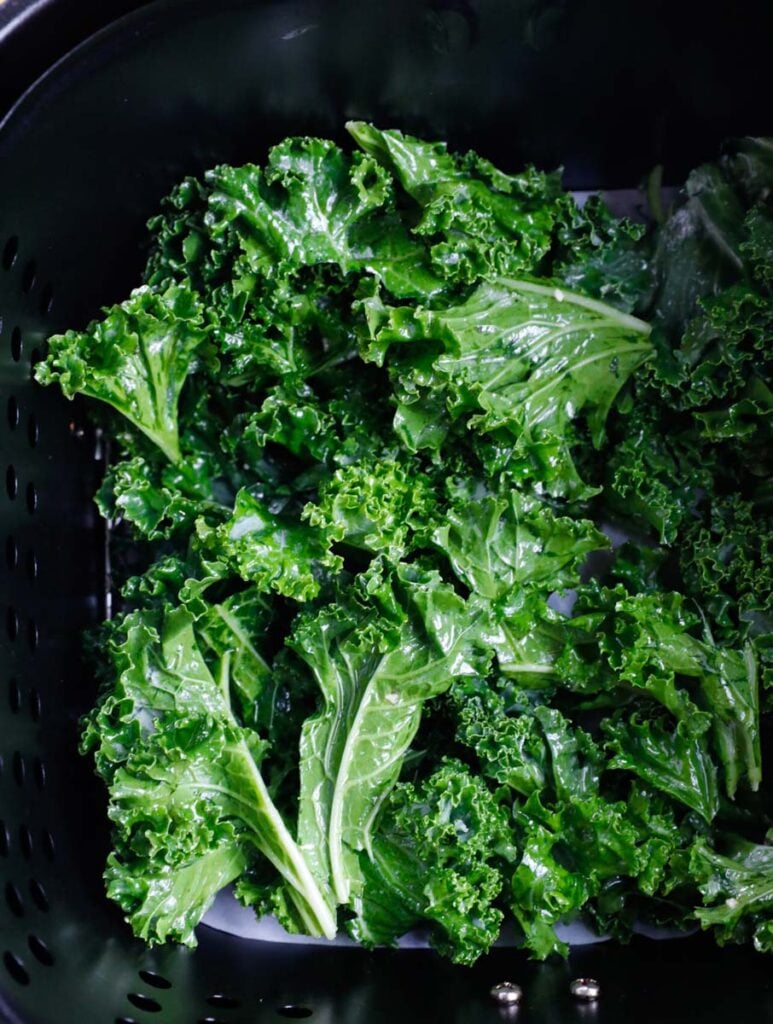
(155, 980)
(143, 1002)
(11, 622)
(31, 565)
(11, 482)
(48, 845)
(25, 841)
(33, 430)
(19, 768)
(31, 497)
(36, 705)
(223, 1002)
(14, 695)
(29, 275)
(46, 299)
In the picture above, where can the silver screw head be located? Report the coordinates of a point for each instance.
(586, 989)
(506, 993)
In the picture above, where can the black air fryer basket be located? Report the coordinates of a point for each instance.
(606, 89)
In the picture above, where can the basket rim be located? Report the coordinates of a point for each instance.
(141, 14)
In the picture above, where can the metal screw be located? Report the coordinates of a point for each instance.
(586, 989)
(506, 993)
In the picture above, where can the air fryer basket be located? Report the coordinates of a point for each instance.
(84, 159)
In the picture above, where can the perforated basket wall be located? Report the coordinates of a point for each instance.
(84, 160)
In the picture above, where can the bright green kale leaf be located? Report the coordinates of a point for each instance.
(136, 359)
(476, 220)
(273, 551)
(510, 746)
(543, 890)
(645, 643)
(164, 902)
(235, 628)
(300, 209)
(500, 542)
(436, 860)
(377, 656)
(185, 780)
(526, 635)
(152, 501)
(574, 839)
(384, 504)
(314, 204)
(654, 646)
(292, 416)
(524, 361)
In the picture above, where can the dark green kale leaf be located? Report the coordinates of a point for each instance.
(727, 560)
(675, 761)
(656, 477)
(604, 256)
(737, 888)
(645, 643)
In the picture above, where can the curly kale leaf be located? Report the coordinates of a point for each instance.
(314, 204)
(188, 801)
(436, 859)
(377, 656)
(523, 361)
(737, 888)
(273, 551)
(500, 542)
(382, 504)
(136, 360)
